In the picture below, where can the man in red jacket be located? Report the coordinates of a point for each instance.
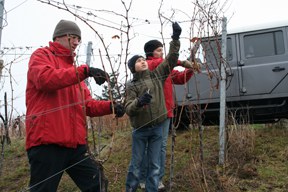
(154, 56)
(57, 101)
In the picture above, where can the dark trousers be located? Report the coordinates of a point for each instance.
(48, 162)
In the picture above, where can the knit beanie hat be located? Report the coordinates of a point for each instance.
(150, 46)
(65, 27)
(132, 62)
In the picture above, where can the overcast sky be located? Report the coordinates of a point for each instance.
(29, 24)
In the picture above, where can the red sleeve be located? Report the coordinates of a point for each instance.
(46, 77)
(182, 77)
(95, 108)
(154, 62)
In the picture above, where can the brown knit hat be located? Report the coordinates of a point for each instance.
(65, 27)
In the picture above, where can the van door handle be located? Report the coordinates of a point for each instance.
(277, 69)
(241, 63)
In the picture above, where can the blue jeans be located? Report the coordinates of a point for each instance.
(150, 138)
(144, 164)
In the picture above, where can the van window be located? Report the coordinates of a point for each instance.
(212, 50)
(264, 44)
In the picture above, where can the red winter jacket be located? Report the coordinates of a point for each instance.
(175, 77)
(55, 101)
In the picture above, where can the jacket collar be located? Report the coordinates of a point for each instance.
(62, 52)
(142, 74)
(154, 58)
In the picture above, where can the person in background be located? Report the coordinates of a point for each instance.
(154, 57)
(145, 106)
(57, 101)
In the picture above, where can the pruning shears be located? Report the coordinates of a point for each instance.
(148, 91)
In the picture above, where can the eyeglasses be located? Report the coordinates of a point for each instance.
(74, 38)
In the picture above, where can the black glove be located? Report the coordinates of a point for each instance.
(99, 75)
(144, 100)
(176, 31)
(118, 109)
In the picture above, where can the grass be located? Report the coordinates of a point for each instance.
(256, 160)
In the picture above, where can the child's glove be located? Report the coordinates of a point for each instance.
(176, 31)
(144, 100)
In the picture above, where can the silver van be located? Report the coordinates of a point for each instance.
(257, 78)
